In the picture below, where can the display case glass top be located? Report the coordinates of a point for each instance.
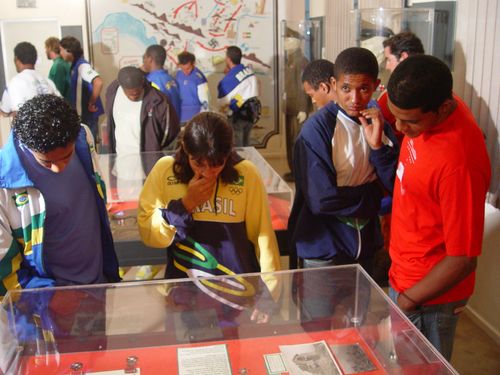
(124, 177)
(333, 320)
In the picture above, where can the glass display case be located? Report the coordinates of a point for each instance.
(370, 27)
(333, 320)
(124, 177)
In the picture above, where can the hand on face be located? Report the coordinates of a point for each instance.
(200, 189)
(373, 132)
(354, 92)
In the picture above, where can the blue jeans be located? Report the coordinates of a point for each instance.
(436, 322)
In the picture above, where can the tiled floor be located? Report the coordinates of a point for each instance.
(475, 353)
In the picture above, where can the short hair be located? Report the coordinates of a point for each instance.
(158, 54)
(73, 46)
(46, 122)
(234, 54)
(404, 42)
(318, 71)
(26, 53)
(356, 60)
(420, 81)
(130, 77)
(186, 57)
(207, 136)
(52, 44)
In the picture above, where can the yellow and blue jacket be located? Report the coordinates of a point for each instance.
(229, 234)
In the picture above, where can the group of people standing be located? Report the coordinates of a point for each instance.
(163, 112)
(208, 207)
(187, 94)
(55, 228)
(436, 168)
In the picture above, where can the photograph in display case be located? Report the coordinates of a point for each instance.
(352, 358)
(310, 358)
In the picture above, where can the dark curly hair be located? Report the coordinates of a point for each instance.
(207, 136)
(318, 71)
(356, 60)
(420, 81)
(46, 122)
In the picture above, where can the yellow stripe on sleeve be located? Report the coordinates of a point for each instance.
(11, 281)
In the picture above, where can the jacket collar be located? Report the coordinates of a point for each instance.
(12, 172)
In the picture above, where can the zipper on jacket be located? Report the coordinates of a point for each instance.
(359, 238)
(215, 194)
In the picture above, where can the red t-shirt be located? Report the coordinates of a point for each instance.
(388, 116)
(442, 179)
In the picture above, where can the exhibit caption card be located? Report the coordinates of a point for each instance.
(204, 360)
(274, 364)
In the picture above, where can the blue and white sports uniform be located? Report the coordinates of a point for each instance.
(164, 82)
(237, 86)
(193, 89)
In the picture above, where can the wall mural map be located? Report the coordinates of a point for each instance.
(122, 29)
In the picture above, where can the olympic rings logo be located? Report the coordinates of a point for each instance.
(235, 190)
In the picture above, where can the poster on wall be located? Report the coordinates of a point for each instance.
(121, 30)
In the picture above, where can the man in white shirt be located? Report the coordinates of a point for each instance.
(27, 83)
(140, 118)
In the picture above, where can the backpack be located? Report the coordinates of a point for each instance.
(250, 110)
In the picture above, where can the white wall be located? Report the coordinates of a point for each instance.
(294, 10)
(476, 73)
(317, 8)
(477, 81)
(68, 12)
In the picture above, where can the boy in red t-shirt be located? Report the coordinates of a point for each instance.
(438, 210)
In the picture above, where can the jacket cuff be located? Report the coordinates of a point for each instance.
(176, 215)
(382, 154)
